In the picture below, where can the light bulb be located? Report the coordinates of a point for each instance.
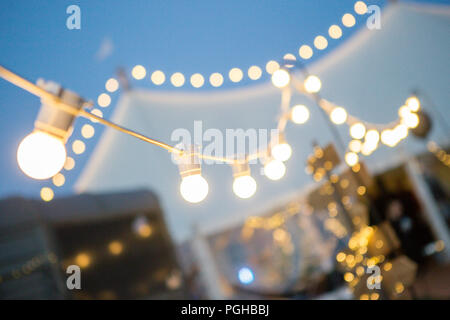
(299, 114)
(338, 115)
(403, 111)
(194, 188)
(282, 151)
(281, 78)
(401, 131)
(372, 137)
(312, 84)
(355, 146)
(411, 120)
(274, 169)
(357, 131)
(244, 186)
(351, 158)
(41, 155)
(413, 103)
(388, 138)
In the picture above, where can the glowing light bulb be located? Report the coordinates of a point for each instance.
(299, 114)
(246, 275)
(355, 146)
(351, 158)
(282, 151)
(401, 131)
(274, 169)
(244, 186)
(372, 137)
(281, 78)
(403, 111)
(388, 138)
(41, 155)
(194, 188)
(357, 131)
(338, 115)
(411, 120)
(312, 84)
(413, 103)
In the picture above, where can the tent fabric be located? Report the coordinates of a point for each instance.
(370, 74)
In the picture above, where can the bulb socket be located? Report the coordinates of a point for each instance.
(189, 161)
(241, 169)
(53, 120)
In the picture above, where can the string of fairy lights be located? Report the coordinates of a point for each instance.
(197, 80)
(55, 122)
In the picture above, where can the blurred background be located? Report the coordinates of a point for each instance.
(329, 229)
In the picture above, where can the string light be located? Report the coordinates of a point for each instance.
(281, 151)
(305, 52)
(41, 155)
(244, 186)
(360, 7)
(335, 32)
(87, 131)
(320, 42)
(348, 20)
(112, 85)
(413, 103)
(357, 130)
(138, 72)
(272, 66)
(216, 79)
(177, 79)
(78, 147)
(197, 80)
(338, 115)
(299, 114)
(411, 120)
(355, 146)
(281, 78)
(158, 77)
(235, 75)
(58, 180)
(290, 57)
(47, 194)
(312, 84)
(351, 158)
(69, 164)
(274, 169)
(254, 72)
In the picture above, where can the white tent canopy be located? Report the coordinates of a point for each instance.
(371, 75)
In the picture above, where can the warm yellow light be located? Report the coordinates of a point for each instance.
(197, 80)
(41, 155)
(158, 77)
(372, 137)
(282, 151)
(274, 169)
(349, 277)
(299, 114)
(338, 115)
(351, 158)
(387, 266)
(138, 72)
(144, 230)
(357, 130)
(87, 131)
(401, 131)
(388, 138)
(78, 147)
(235, 75)
(355, 146)
(244, 186)
(281, 78)
(83, 260)
(320, 42)
(403, 111)
(312, 84)
(272, 66)
(216, 79)
(340, 257)
(47, 194)
(367, 148)
(104, 100)
(411, 120)
(290, 57)
(254, 72)
(399, 288)
(348, 20)
(194, 188)
(69, 164)
(177, 79)
(115, 247)
(305, 52)
(112, 85)
(360, 7)
(413, 103)
(335, 32)
(58, 179)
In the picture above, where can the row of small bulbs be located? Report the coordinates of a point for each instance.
(235, 75)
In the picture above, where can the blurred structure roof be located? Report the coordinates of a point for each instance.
(371, 75)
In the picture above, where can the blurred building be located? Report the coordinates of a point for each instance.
(120, 242)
